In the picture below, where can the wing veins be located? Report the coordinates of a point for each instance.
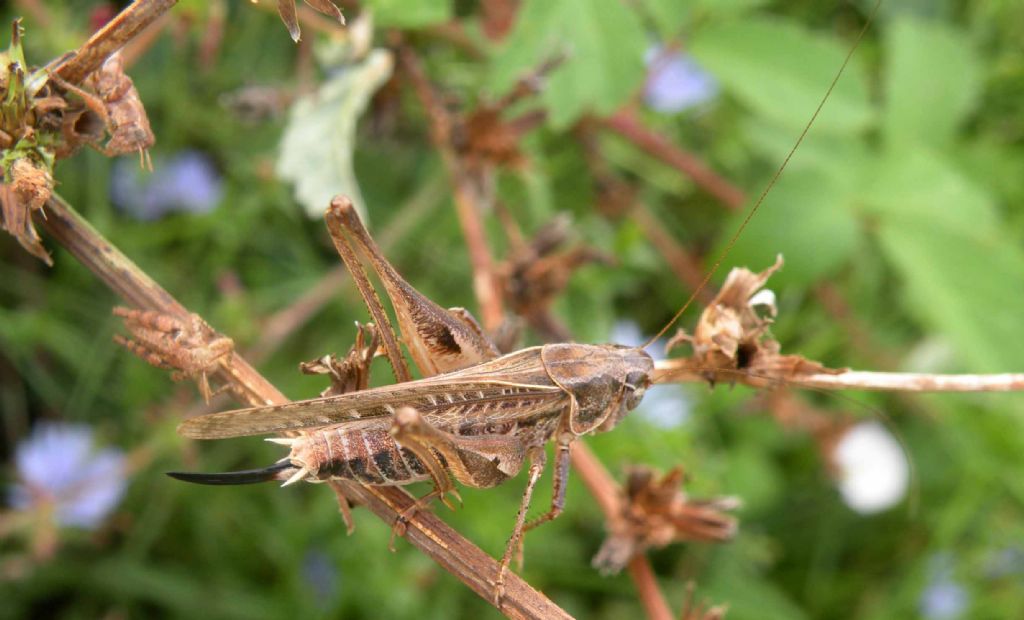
(335, 410)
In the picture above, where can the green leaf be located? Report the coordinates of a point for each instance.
(409, 13)
(317, 146)
(603, 42)
(668, 16)
(931, 81)
(835, 154)
(964, 285)
(807, 219)
(918, 184)
(962, 273)
(782, 71)
(734, 581)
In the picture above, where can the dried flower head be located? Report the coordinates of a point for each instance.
(656, 512)
(732, 334)
(62, 472)
(351, 373)
(537, 271)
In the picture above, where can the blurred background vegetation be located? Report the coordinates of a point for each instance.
(900, 219)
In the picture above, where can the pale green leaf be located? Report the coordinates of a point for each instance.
(318, 143)
(931, 81)
(807, 219)
(965, 285)
(962, 274)
(782, 71)
(918, 184)
(668, 16)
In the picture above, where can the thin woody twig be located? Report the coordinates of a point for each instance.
(682, 370)
(626, 124)
(107, 40)
(465, 194)
(424, 529)
(647, 585)
(620, 197)
(683, 264)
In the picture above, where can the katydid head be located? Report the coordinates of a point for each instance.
(606, 381)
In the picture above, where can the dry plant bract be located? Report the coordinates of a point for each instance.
(286, 8)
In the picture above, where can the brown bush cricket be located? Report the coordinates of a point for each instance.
(475, 416)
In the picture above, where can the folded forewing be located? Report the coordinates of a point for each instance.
(446, 404)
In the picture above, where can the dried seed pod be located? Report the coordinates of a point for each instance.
(352, 373)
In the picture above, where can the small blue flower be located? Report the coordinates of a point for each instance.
(676, 82)
(944, 598)
(187, 182)
(321, 573)
(666, 406)
(59, 466)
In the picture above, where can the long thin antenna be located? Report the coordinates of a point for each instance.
(778, 173)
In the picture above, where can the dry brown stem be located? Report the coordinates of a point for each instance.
(626, 124)
(424, 529)
(684, 370)
(107, 40)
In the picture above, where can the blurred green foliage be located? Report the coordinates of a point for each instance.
(905, 200)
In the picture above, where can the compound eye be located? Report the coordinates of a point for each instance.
(637, 379)
(637, 383)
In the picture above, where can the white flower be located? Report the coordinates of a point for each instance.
(60, 467)
(873, 470)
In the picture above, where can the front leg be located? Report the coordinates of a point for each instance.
(559, 483)
(537, 458)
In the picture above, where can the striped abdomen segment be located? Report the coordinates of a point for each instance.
(369, 456)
